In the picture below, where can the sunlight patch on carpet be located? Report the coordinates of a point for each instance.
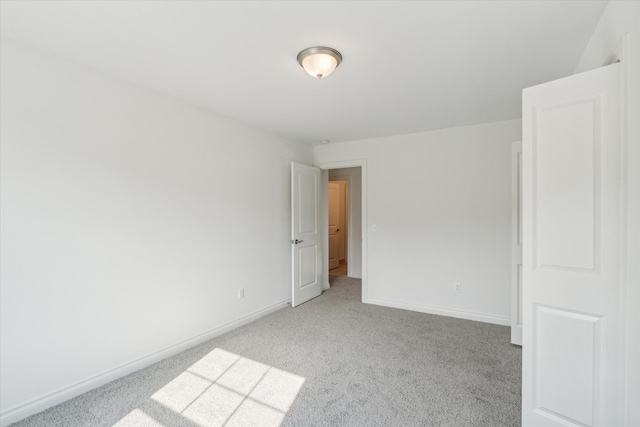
(222, 389)
(140, 419)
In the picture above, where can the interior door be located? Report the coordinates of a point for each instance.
(516, 243)
(334, 224)
(571, 239)
(306, 263)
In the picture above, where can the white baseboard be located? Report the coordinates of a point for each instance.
(469, 315)
(325, 286)
(48, 400)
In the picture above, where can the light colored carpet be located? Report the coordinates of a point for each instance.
(332, 361)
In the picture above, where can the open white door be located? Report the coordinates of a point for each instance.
(516, 243)
(571, 242)
(306, 264)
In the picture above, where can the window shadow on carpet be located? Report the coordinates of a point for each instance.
(221, 389)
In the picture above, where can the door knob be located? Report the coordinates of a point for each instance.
(298, 241)
(337, 229)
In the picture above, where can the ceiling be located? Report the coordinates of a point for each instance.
(408, 66)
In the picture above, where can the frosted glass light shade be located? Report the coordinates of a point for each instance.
(319, 61)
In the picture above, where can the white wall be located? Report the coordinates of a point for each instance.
(441, 203)
(355, 216)
(129, 219)
(609, 43)
(618, 18)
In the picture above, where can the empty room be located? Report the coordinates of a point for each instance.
(319, 213)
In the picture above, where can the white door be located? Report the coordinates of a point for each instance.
(571, 239)
(516, 243)
(306, 262)
(334, 227)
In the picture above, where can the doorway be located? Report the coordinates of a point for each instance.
(338, 200)
(357, 219)
(344, 212)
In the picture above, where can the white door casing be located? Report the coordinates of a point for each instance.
(516, 243)
(306, 262)
(571, 256)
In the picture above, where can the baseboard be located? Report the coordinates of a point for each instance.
(469, 315)
(48, 400)
(325, 286)
(516, 335)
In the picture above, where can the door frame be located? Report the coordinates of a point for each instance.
(348, 249)
(629, 302)
(516, 243)
(356, 163)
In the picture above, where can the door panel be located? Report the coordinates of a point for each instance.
(565, 201)
(308, 266)
(571, 260)
(305, 233)
(333, 250)
(567, 349)
(307, 195)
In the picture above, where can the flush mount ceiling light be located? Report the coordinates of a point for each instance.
(319, 61)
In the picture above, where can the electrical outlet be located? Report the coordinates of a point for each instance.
(240, 293)
(457, 286)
